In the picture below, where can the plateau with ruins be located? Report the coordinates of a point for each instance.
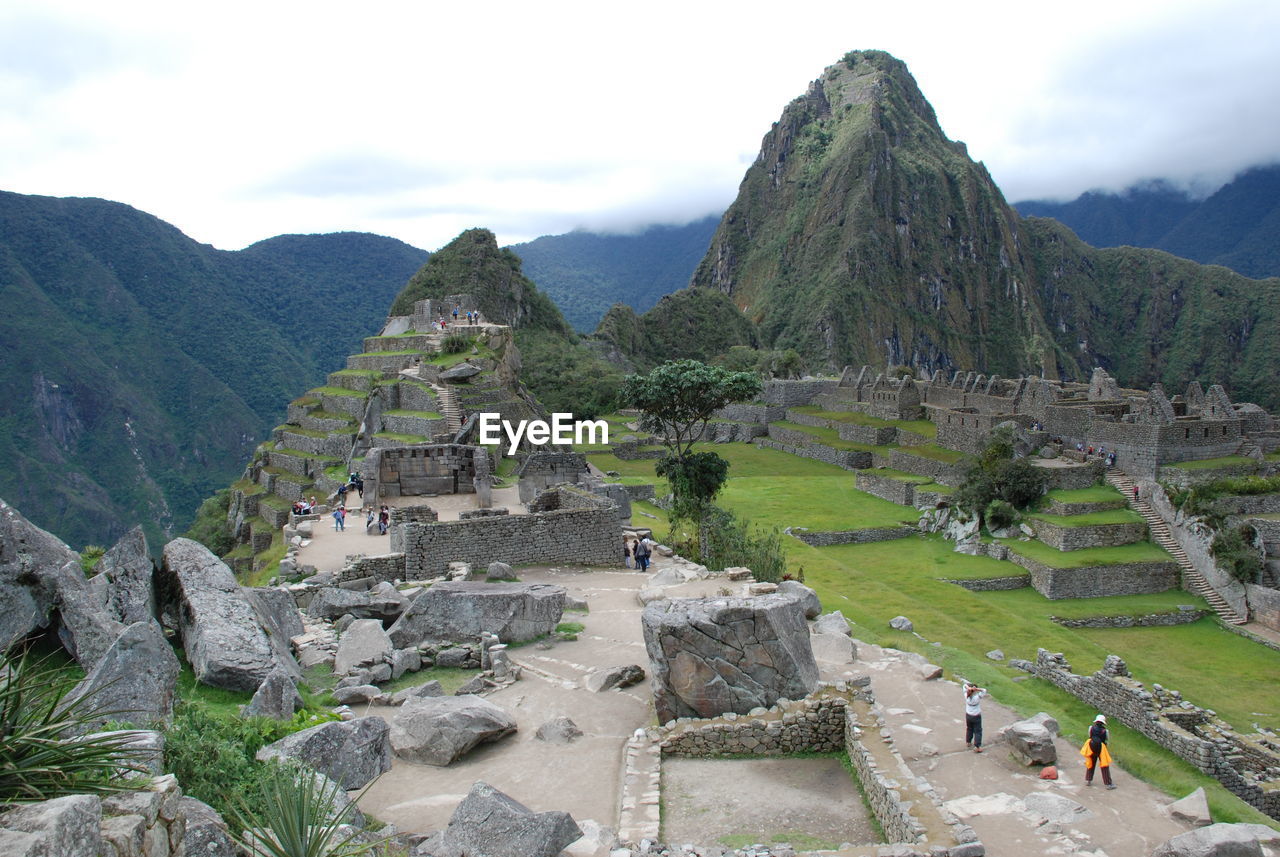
(500, 673)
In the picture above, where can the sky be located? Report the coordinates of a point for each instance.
(238, 121)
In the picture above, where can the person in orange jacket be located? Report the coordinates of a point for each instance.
(1096, 754)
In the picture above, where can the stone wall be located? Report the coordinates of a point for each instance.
(1065, 538)
(886, 487)
(794, 393)
(1147, 620)
(1057, 507)
(1264, 605)
(847, 460)
(565, 526)
(1245, 764)
(811, 725)
(541, 470)
(1181, 477)
(1195, 540)
(387, 566)
(740, 413)
(853, 537)
(1095, 581)
(939, 471)
(993, 584)
(435, 468)
(1072, 477)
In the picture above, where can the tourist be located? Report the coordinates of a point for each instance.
(1096, 754)
(456, 308)
(627, 550)
(973, 715)
(368, 522)
(359, 483)
(342, 493)
(384, 520)
(1135, 493)
(340, 518)
(642, 552)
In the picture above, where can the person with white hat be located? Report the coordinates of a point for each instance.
(1096, 754)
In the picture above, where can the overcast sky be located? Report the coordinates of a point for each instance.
(238, 121)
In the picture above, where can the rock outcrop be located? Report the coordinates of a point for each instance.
(363, 642)
(351, 753)
(716, 655)
(127, 574)
(492, 824)
(462, 610)
(439, 730)
(223, 637)
(277, 697)
(26, 552)
(134, 681)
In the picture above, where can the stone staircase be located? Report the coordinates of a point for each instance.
(449, 406)
(1192, 580)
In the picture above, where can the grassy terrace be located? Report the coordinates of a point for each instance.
(407, 353)
(286, 475)
(292, 429)
(358, 373)
(923, 427)
(426, 415)
(898, 475)
(1110, 516)
(935, 452)
(1093, 494)
(298, 453)
(1039, 551)
(829, 437)
(1213, 463)
(402, 438)
(337, 391)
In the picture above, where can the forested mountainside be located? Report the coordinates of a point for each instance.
(586, 273)
(557, 368)
(142, 367)
(861, 234)
(1238, 226)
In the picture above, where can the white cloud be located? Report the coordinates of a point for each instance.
(240, 121)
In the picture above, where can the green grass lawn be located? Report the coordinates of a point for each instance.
(1108, 516)
(1212, 463)
(426, 415)
(1137, 552)
(1092, 494)
(789, 502)
(829, 437)
(899, 475)
(402, 438)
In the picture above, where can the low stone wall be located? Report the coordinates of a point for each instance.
(469, 514)
(1148, 620)
(640, 492)
(906, 437)
(1181, 477)
(847, 460)
(632, 450)
(793, 393)
(826, 538)
(931, 499)
(814, 725)
(1252, 504)
(1096, 581)
(1057, 507)
(938, 471)
(1245, 764)
(886, 487)
(1089, 536)
(565, 525)
(540, 470)
(379, 567)
(1072, 478)
(761, 414)
(992, 584)
(1264, 605)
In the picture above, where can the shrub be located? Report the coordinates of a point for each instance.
(455, 343)
(39, 757)
(1001, 514)
(727, 541)
(997, 475)
(210, 526)
(295, 817)
(89, 558)
(1234, 550)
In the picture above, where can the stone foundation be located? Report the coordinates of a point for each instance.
(1089, 536)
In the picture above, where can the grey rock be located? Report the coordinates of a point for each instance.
(995, 655)
(405, 661)
(333, 602)
(834, 648)
(572, 602)
(134, 681)
(455, 657)
(85, 627)
(488, 823)
(1047, 721)
(461, 372)
(712, 656)
(499, 571)
(65, 826)
(351, 753)
(223, 638)
(901, 623)
(1215, 840)
(462, 610)
(440, 730)
(667, 577)
(598, 681)
(277, 610)
(478, 684)
(364, 641)
(1194, 809)
(26, 554)
(379, 673)
(559, 730)
(1055, 807)
(129, 575)
(430, 688)
(206, 834)
(277, 697)
(356, 694)
(343, 622)
(1031, 742)
(832, 623)
(807, 597)
(930, 672)
(140, 749)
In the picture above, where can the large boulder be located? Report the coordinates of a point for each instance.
(1031, 742)
(223, 637)
(85, 627)
(710, 656)
(363, 642)
(832, 623)
(66, 827)
(1216, 840)
(1193, 809)
(383, 602)
(807, 597)
(134, 681)
(461, 610)
(277, 697)
(607, 678)
(834, 648)
(127, 573)
(438, 730)
(489, 823)
(277, 611)
(26, 554)
(351, 753)
(205, 833)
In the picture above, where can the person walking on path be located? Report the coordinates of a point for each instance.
(456, 307)
(627, 551)
(643, 551)
(384, 518)
(1135, 493)
(340, 518)
(973, 715)
(1096, 754)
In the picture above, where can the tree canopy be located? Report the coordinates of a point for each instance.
(677, 399)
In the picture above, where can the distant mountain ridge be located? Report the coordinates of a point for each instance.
(1238, 226)
(141, 367)
(586, 273)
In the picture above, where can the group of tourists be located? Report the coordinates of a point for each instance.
(1101, 452)
(472, 318)
(637, 551)
(304, 506)
(1095, 752)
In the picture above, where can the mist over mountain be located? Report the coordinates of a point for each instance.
(141, 366)
(1237, 226)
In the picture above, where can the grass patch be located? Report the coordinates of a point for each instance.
(268, 561)
(1120, 555)
(1108, 516)
(218, 701)
(311, 456)
(1213, 463)
(935, 453)
(899, 475)
(405, 353)
(789, 502)
(305, 432)
(426, 415)
(358, 373)
(830, 437)
(1092, 494)
(402, 438)
(337, 391)
(450, 679)
(924, 427)
(286, 475)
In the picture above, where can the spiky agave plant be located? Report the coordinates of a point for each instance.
(44, 749)
(298, 816)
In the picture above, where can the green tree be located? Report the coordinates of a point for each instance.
(998, 481)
